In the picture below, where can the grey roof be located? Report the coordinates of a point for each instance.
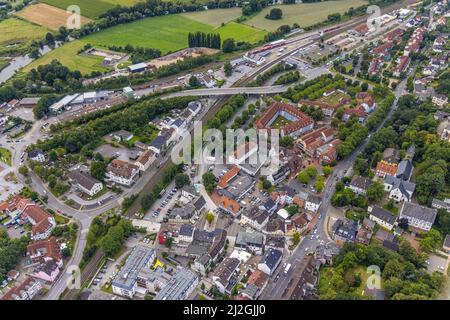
(178, 123)
(140, 257)
(271, 258)
(185, 213)
(419, 212)
(345, 229)
(193, 105)
(404, 170)
(275, 242)
(189, 189)
(256, 214)
(437, 204)
(314, 199)
(159, 142)
(29, 100)
(178, 286)
(203, 236)
(226, 269)
(269, 204)
(289, 191)
(220, 237)
(83, 179)
(238, 187)
(384, 215)
(244, 239)
(406, 188)
(34, 153)
(360, 182)
(122, 134)
(199, 203)
(186, 230)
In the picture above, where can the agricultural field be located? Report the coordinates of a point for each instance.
(16, 35)
(39, 13)
(90, 8)
(305, 14)
(166, 33)
(67, 55)
(214, 17)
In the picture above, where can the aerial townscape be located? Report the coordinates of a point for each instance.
(350, 200)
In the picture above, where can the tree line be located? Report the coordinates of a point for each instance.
(202, 39)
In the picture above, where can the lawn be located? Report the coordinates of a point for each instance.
(334, 98)
(16, 35)
(5, 156)
(280, 122)
(240, 32)
(90, 8)
(214, 17)
(67, 55)
(305, 14)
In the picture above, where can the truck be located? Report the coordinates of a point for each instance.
(287, 268)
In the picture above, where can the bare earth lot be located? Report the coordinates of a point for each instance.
(47, 16)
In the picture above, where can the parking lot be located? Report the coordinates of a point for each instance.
(437, 263)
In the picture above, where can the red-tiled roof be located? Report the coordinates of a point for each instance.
(223, 182)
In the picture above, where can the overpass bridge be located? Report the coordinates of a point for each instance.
(230, 91)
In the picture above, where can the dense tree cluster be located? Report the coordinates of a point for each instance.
(274, 14)
(131, 119)
(254, 6)
(402, 273)
(226, 112)
(290, 77)
(10, 252)
(202, 39)
(266, 75)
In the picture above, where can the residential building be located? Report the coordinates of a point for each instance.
(446, 245)
(441, 204)
(304, 277)
(182, 214)
(399, 190)
(418, 216)
(311, 141)
(47, 271)
(250, 241)
(402, 65)
(144, 161)
(159, 144)
(300, 122)
(365, 232)
(359, 185)
(385, 168)
(43, 223)
(85, 182)
(225, 276)
(270, 261)
(256, 284)
(383, 217)
(186, 233)
(255, 218)
(345, 230)
(26, 290)
(313, 203)
(121, 172)
(404, 170)
(36, 155)
(440, 100)
(44, 250)
(359, 113)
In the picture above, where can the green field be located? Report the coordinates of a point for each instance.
(305, 14)
(166, 33)
(90, 8)
(67, 55)
(240, 32)
(214, 17)
(16, 35)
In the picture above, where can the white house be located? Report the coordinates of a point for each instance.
(418, 216)
(313, 203)
(399, 190)
(121, 172)
(382, 217)
(85, 182)
(36, 155)
(270, 261)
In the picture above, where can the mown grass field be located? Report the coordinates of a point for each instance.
(240, 32)
(17, 34)
(305, 14)
(90, 8)
(214, 17)
(39, 13)
(67, 55)
(166, 33)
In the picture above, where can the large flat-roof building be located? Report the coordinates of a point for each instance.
(179, 287)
